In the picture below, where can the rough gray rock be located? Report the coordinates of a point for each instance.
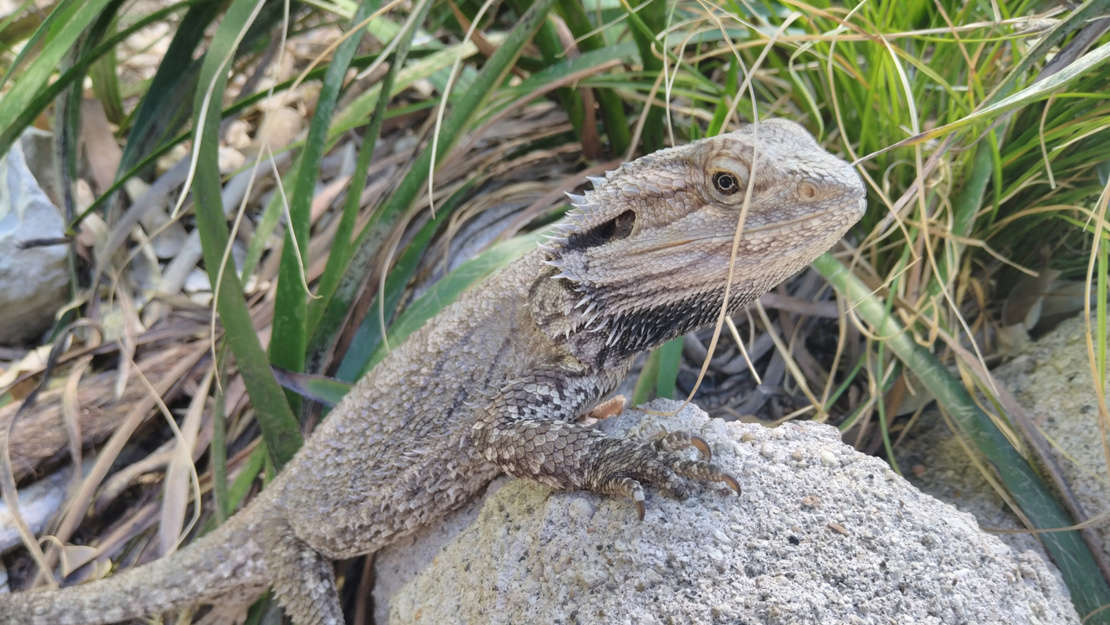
(33, 281)
(38, 503)
(1052, 380)
(937, 462)
(822, 534)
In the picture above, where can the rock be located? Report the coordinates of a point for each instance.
(936, 462)
(38, 503)
(822, 534)
(33, 281)
(1052, 380)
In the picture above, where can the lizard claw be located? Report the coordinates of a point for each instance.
(629, 488)
(702, 447)
(731, 482)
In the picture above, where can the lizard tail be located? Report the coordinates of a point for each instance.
(226, 563)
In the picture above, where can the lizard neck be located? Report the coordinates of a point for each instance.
(594, 335)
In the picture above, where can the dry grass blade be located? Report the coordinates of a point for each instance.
(43, 435)
(182, 473)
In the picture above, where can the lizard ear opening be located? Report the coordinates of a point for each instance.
(615, 229)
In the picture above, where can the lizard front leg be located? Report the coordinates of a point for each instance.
(526, 430)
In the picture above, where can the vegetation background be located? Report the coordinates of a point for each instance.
(271, 194)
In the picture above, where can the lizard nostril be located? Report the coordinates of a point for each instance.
(807, 190)
(615, 229)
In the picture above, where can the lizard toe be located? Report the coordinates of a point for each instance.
(677, 441)
(703, 471)
(630, 488)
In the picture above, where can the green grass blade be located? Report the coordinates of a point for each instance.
(339, 257)
(24, 100)
(612, 108)
(649, 375)
(965, 207)
(720, 113)
(165, 105)
(44, 27)
(454, 125)
(241, 486)
(105, 81)
(14, 25)
(76, 73)
(1075, 20)
(1088, 589)
(650, 19)
(364, 105)
(218, 449)
(1100, 310)
(369, 334)
(547, 40)
(1083, 65)
(625, 51)
(319, 388)
(279, 427)
(670, 358)
(290, 334)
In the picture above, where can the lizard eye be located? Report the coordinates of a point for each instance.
(726, 180)
(726, 183)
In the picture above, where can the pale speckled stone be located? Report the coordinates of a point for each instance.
(525, 554)
(1051, 380)
(1054, 385)
(33, 281)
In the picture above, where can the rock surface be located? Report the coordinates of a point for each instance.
(1052, 380)
(33, 281)
(822, 534)
(937, 462)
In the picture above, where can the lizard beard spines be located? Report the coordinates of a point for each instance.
(633, 333)
(589, 212)
(591, 313)
(574, 221)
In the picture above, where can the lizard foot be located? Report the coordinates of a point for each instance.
(621, 466)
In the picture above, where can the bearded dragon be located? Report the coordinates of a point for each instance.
(496, 382)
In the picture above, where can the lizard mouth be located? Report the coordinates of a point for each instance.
(615, 229)
(770, 227)
(721, 238)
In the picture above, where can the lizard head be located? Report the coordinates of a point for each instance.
(647, 251)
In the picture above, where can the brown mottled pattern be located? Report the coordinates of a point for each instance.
(496, 382)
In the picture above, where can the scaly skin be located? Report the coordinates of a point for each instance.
(495, 383)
